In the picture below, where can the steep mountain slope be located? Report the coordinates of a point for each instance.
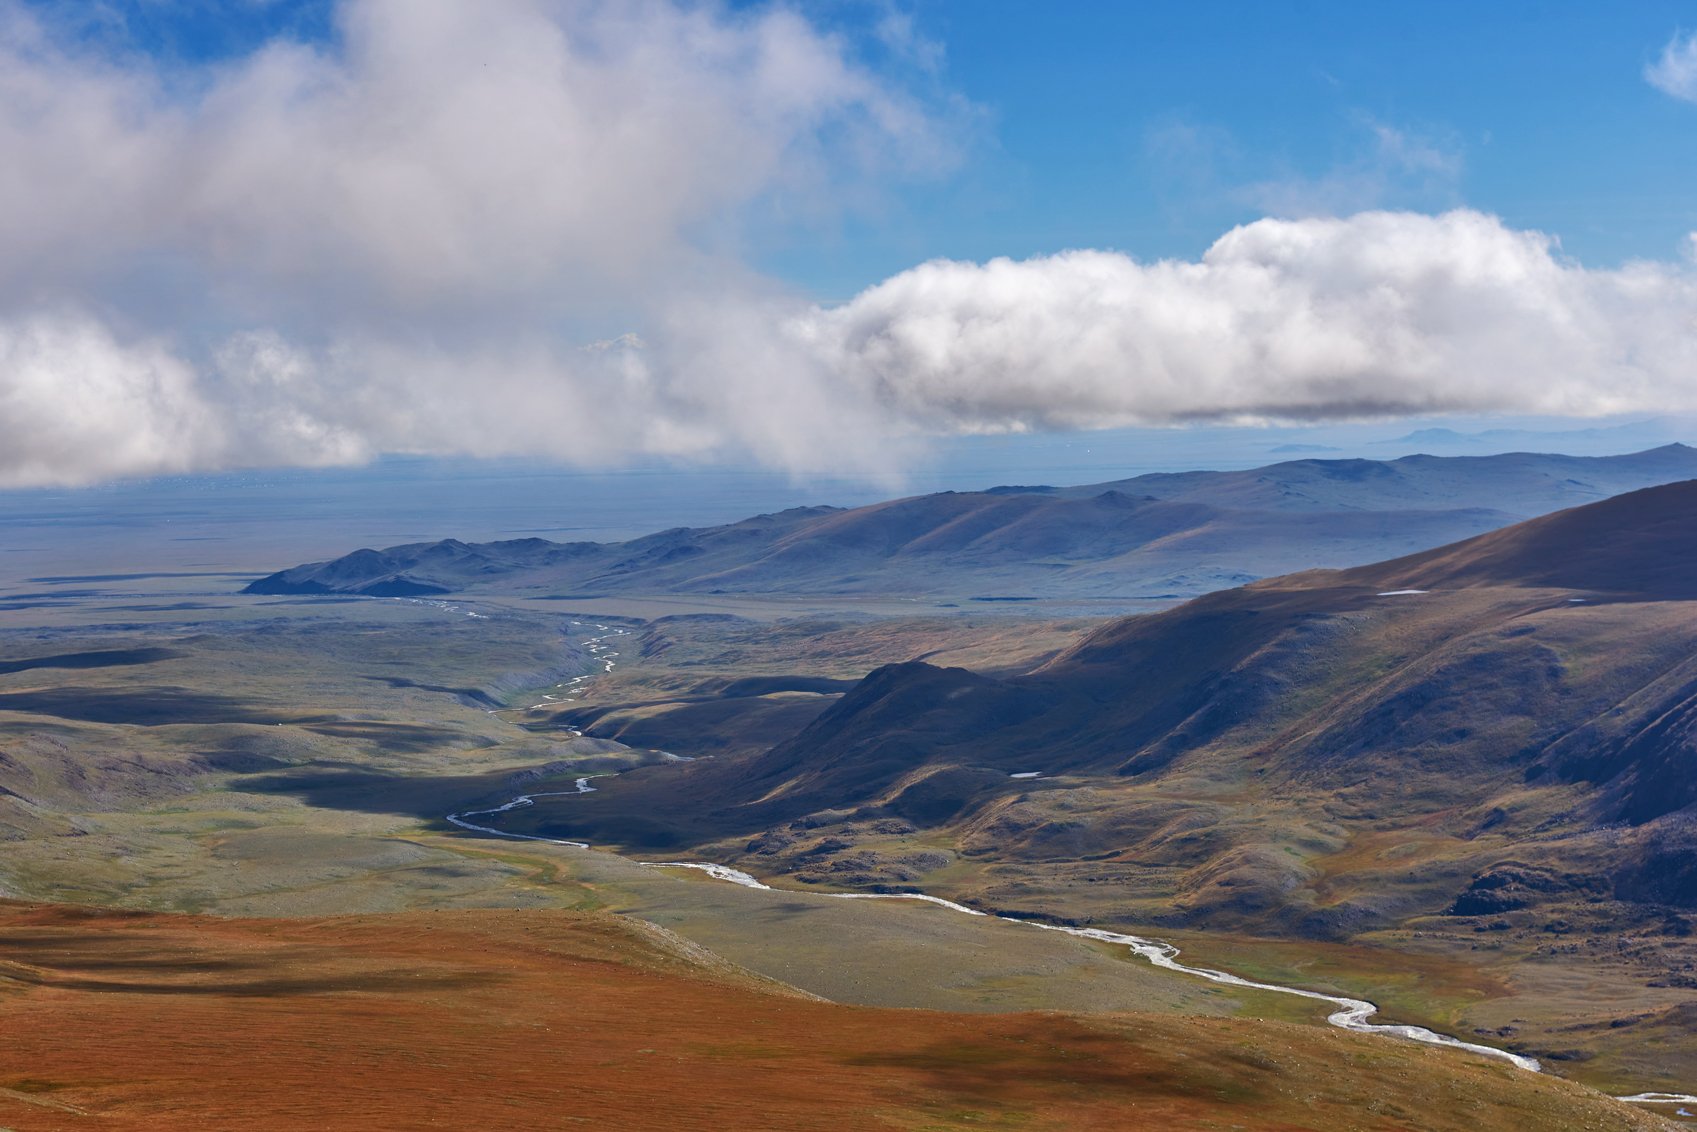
(1153, 536)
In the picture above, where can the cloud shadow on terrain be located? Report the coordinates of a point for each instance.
(475, 695)
(358, 790)
(1059, 1052)
(392, 738)
(139, 963)
(100, 658)
(633, 822)
(146, 707)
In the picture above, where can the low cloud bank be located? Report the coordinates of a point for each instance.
(410, 240)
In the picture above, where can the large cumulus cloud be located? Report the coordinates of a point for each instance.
(430, 235)
(1378, 314)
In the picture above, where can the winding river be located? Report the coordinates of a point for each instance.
(1351, 1013)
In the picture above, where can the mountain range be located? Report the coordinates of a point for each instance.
(1162, 535)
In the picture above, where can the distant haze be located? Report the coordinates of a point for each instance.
(262, 519)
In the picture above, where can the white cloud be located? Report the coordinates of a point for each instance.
(407, 242)
(399, 241)
(1378, 314)
(1675, 72)
(1395, 167)
(445, 157)
(77, 406)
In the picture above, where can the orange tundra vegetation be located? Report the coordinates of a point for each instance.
(501, 1019)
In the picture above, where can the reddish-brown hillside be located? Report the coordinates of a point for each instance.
(128, 1022)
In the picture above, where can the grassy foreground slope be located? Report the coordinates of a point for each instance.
(133, 1021)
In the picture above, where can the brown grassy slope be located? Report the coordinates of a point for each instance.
(477, 1019)
(1643, 544)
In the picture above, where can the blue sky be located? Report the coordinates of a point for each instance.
(1143, 127)
(1146, 127)
(311, 234)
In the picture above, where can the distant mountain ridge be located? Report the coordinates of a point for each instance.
(1162, 535)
